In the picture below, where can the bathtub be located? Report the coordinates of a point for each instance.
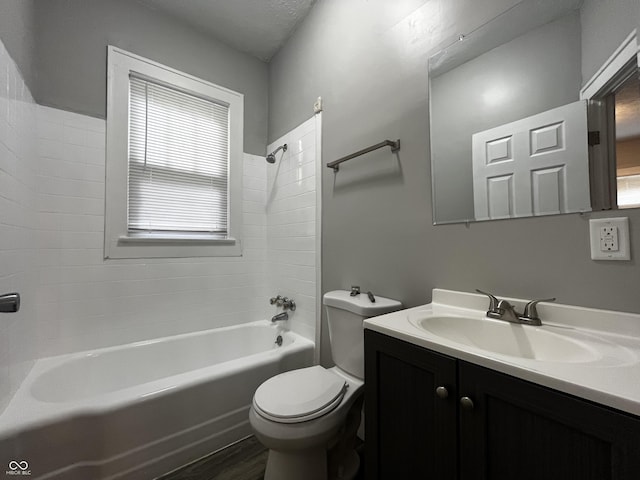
(140, 410)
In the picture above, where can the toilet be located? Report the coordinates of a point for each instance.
(308, 418)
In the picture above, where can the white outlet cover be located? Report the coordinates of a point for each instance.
(624, 249)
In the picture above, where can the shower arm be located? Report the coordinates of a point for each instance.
(281, 147)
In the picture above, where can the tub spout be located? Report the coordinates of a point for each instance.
(280, 317)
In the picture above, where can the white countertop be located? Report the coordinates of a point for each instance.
(611, 379)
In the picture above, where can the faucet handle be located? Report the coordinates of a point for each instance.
(276, 300)
(493, 302)
(530, 310)
(288, 304)
(10, 302)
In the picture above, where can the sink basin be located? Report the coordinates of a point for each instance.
(506, 338)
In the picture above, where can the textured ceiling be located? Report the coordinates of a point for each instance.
(258, 27)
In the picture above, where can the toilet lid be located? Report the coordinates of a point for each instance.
(299, 395)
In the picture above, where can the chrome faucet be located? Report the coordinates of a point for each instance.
(288, 304)
(284, 302)
(503, 310)
(10, 302)
(281, 317)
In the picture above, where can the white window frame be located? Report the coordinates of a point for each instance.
(118, 243)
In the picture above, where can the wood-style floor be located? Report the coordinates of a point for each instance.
(245, 460)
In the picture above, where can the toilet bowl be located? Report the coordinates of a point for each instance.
(308, 418)
(299, 443)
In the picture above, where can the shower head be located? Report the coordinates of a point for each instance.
(271, 158)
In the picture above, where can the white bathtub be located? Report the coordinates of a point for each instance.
(137, 411)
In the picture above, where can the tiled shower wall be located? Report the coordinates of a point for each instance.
(51, 244)
(89, 302)
(18, 240)
(291, 224)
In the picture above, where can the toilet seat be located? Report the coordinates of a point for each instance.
(299, 395)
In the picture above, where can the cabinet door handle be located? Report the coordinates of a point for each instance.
(466, 403)
(442, 392)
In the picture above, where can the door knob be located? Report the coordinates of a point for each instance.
(442, 392)
(466, 403)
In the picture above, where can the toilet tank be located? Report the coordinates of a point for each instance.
(345, 315)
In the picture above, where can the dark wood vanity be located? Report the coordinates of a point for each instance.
(432, 416)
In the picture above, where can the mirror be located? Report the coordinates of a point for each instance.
(508, 127)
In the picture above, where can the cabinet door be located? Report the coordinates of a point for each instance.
(519, 430)
(410, 430)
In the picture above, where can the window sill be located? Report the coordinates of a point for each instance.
(173, 246)
(178, 239)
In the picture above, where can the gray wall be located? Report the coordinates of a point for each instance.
(368, 60)
(72, 39)
(605, 24)
(17, 33)
(537, 71)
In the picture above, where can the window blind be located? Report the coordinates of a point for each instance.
(178, 161)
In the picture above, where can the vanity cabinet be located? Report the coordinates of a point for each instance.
(431, 416)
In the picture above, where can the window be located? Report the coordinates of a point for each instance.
(174, 163)
(178, 149)
(629, 191)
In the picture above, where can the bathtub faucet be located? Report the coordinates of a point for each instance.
(284, 302)
(281, 317)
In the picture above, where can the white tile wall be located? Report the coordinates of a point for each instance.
(291, 224)
(51, 244)
(87, 302)
(18, 241)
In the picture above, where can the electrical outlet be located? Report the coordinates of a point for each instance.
(610, 238)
